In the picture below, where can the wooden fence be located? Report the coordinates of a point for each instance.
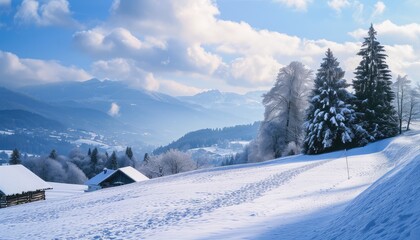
(6, 201)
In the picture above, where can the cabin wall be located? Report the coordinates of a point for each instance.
(116, 179)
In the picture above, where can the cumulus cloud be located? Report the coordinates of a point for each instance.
(125, 70)
(17, 72)
(149, 43)
(114, 110)
(254, 70)
(408, 33)
(50, 13)
(338, 5)
(300, 5)
(128, 71)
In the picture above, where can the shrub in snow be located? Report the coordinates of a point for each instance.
(168, 163)
(329, 118)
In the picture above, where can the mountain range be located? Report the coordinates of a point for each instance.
(135, 117)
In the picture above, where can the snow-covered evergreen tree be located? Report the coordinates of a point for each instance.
(112, 162)
(330, 115)
(372, 85)
(15, 158)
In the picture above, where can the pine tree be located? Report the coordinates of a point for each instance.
(129, 153)
(15, 157)
(329, 118)
(89, 152)
(94, 157)
(53, 154)
(146, 159)
(113, 161)
(372, 85)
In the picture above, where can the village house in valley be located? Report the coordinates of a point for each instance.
(19, 185)
(111, 178)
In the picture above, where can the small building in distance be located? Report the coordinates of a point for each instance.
(19, 185)
(111, 178)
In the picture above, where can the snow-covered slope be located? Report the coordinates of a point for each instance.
(300, 197)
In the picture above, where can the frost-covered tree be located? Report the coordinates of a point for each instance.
(284, 115)
(168, 163)
(15, 158)
(372, 86)
(402, 90)
(413, 111)
(55, 170)
(329, 118)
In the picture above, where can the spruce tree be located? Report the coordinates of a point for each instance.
(329, 118)
(94, 157)
(53, 154)
(129, 153)
(146, 159)
(372, 86)
(113, 161)
(15, 157)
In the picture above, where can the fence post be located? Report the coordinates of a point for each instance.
(347, 163)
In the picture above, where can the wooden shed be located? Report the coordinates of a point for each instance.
(19, 185)
(111, 178)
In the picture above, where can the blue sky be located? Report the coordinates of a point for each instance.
(187, 46)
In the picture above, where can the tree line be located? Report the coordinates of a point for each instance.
(319, 114)
(77, 167)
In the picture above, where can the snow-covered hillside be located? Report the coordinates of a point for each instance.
(300, 197)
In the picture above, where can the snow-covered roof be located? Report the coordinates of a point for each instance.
(129, 171)
(100, 177)
(16, 179)
(133, 174)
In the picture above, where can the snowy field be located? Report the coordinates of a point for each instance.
(299, 197)
(63, 190)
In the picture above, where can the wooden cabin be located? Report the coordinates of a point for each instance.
(111, 178)
(19, 185)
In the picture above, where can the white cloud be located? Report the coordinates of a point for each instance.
(360, 15)
(338, 5)
(300, 5)
(114, 110)
(379, 9)
(125, 70)
(204, 60)
(177, 89)
(50, 13)
(254, 70)
(150, 43)
(17, 72)
(391, 32)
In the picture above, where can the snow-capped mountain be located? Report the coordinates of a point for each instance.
(248, 106)
(155, 114)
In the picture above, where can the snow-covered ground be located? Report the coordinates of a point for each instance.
(300, 197)
(63, 190)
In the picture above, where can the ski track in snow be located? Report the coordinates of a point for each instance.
(247, 193)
